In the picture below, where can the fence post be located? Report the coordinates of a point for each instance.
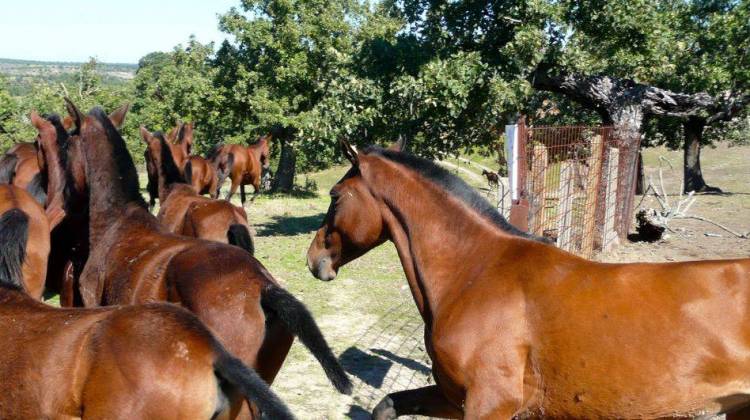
(519, 208)
(592, 193)
(565, 206)
(538, 199)
(610, 233)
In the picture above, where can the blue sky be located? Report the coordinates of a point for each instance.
(119, 31)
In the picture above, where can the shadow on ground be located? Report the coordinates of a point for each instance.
(290, 225)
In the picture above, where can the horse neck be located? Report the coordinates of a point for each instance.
(430, 233)
(112, 182)
(168, 170)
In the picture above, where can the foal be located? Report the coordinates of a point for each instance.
(516, 328)
(183, 211)
(243, 165)
(195, 170)
(138, 362)
(134, 259)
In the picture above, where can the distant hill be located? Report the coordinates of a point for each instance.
(22, 74)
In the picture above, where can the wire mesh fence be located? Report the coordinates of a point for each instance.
(578, 185)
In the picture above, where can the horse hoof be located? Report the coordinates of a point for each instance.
(384, 410)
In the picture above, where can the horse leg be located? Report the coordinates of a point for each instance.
(232, 190)
(242, 194)
(427, 401)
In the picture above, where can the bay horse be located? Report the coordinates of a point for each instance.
(19, 166)
(139, 362)
(133, 259)
(517, 328)
(68, 221)
(196, 170)
(242, 164)
(183, 211)
(37, 243)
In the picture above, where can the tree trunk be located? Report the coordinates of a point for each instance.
(284, 179)
(628, 123)
(693, 176)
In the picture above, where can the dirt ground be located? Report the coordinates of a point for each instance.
(368, 313)
(724, 167)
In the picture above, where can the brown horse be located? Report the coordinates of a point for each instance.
(37, 248)
(243, 165)
(139, 362)
(183, 211)
(134, 259)
(19, 166)
(68, 221)
(518, 328)
(197, 171)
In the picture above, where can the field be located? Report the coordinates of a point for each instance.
(367, 312)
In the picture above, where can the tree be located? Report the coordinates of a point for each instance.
(610, 56)
(285, 56)
(178, 85)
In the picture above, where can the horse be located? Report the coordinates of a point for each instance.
(243, 165)
(68, 222)
(133, 259)
(492, 178)
(517, 328)
(196, 170)
(19, 166)
(37, 245)
(183, 211)
(147, 361)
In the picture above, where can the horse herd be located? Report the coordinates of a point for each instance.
(515, 327)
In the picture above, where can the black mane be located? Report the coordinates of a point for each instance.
(121, 160)
(14, 234)
(169, 169)
(454, 185)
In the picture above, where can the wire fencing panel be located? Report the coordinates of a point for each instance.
(574, 189)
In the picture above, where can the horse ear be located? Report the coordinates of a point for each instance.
(74, 113)
(350, 152)
(145, 134)
(118, 116)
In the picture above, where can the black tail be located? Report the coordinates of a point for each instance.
(14, 233)
(298, 320)
(239, 235)
(189, 173)
(8, 168)
(251, 386)
(37, 189)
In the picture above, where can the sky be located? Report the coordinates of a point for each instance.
(119, 31)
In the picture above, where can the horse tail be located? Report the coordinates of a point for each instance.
(239, 235)
(37, 190)
(14, 233)
(189, 173)
(230, 369)
(8, 168)
(298, 320)
(215, 149)
(224, 167)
